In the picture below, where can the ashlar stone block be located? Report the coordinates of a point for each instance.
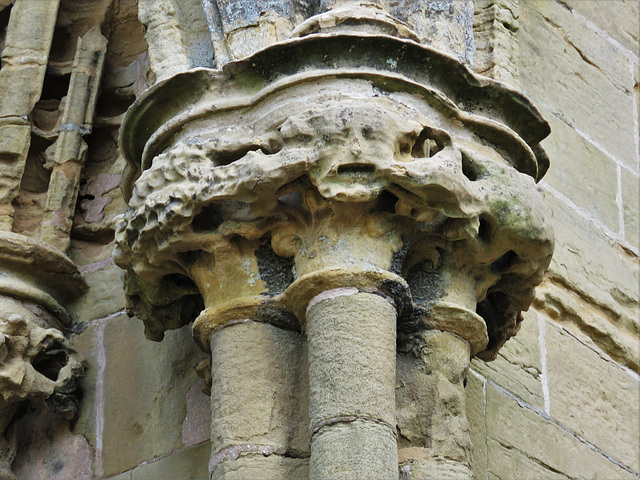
(524, 444)
(594, 397)
(518, 366)
(595, 192)
(145, 386)
(582, 89)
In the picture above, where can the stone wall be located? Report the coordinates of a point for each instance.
(562, 398)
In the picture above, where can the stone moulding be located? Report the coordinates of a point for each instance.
(234, 136)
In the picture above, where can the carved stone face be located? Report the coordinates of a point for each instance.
(353, 146)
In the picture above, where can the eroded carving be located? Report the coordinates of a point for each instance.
(469, 208)
(37, 365)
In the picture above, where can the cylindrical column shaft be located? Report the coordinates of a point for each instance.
(435, 438)
(258, 403)
(352, 350)
(77, 120)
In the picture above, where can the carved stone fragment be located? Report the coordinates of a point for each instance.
(37, 363)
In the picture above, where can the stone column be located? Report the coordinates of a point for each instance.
(70, 148)
(399, 190)
(352, 353)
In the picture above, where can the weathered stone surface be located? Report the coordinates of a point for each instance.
(495, 27)
(145, 386)
(524, 444)
(631, 206)
(196, 427)
(357, 449)
(352, 356)
(104, 296)
(589, 395)
(594, 192)
(507, 463)
(122, 476)
(273, 467)
(435, 469)
(620, 19)
(602, 285)
(590, 91)
(259, 390)
(48, 450)
(518, 366)
(88, 345)
(446, 26)
(430, 399)
(185, 464)
(475, 415)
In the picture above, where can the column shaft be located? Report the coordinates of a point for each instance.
(258, 403)
(352, 350)
(435, 438)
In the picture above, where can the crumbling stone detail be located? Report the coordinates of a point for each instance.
(37, 365)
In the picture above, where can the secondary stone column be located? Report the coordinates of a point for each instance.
(345, 293)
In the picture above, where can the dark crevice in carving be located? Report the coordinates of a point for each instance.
(275, 271)
(51, 360)
(484, 230)
(470, 168)
(427, 285)
(386, 202)
(356, 169)
(210, 218)
(505, 262)
(426, 145)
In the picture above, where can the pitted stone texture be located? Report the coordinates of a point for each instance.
(446, 26)
(495, 27)
(523, 444)
(430, 397)
(352, 358)
(259, 388)
(594, 397)
(47, 449)
(273, 467)
(215, 183)
(36, 364)
(144, 390)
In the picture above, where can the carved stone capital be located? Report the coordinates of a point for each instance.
(339, 138)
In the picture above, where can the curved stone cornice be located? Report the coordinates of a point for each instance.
(34, 271)
(488, 108)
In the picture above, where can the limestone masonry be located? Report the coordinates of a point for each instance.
(319, 239)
